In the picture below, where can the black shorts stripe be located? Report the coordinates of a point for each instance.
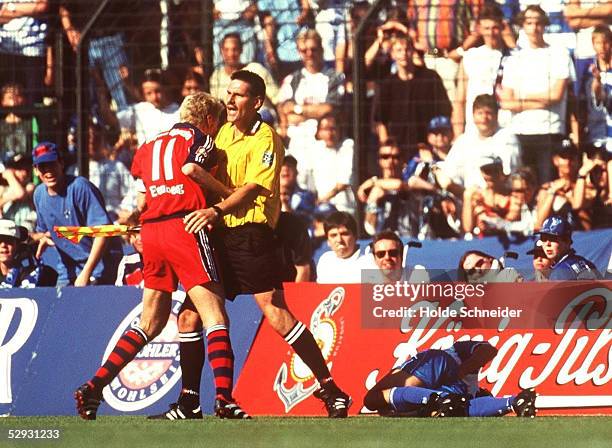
(206, 255)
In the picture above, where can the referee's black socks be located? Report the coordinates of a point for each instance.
(303, 343)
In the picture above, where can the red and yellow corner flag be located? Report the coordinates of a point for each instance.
(75, 233)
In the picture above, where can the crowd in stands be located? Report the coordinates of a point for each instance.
(485, 118)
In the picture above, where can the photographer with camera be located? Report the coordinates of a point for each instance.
(579, 189)
(16, 189)
(18, 268)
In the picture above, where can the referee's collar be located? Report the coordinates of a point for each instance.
(256, 125)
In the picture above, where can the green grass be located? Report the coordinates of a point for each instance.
(542, 432)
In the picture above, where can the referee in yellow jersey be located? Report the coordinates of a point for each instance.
(250, 163)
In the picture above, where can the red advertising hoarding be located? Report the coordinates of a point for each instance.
(556, 337)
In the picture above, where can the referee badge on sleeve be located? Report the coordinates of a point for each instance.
(267, 159)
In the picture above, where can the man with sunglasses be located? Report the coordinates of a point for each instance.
(388, 203)
(556, 238)
(388, 251)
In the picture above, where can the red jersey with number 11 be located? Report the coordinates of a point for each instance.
(158, 164)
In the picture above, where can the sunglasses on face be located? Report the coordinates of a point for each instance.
(551, 238)
(477, 266)
(7, 240)
(393, 253)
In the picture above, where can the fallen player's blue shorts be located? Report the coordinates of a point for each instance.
(437, 370)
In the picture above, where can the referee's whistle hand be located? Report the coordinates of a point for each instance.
(196, 221)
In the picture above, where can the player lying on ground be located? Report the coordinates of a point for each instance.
(444, 383)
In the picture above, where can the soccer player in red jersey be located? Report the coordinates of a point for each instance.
(165, 168)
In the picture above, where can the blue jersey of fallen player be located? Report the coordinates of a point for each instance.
(573, 267)
(438, 369)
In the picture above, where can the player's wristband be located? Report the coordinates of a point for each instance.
(218, 210)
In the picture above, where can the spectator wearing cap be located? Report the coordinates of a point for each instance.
(573, 194)
(460, 169)
(406, 101)
(486, 210)
(16, 191)
(541, 263)
(342, 264)
(556, 238)
(18, 269)
(439, 217)
(63, 200)
(439, 138)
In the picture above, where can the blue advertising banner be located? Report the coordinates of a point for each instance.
(444, 255)
(51, 341)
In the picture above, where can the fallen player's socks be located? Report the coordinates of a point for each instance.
(489, 406)
(404, 398)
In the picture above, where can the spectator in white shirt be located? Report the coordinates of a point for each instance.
(342, 264)
(481, 69)
(332, 166)
(534, 89)
(157, 113)
(461, 169)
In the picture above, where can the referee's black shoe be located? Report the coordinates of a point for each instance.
(336, 402)
(179, 411)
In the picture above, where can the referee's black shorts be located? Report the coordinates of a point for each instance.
(248, 259)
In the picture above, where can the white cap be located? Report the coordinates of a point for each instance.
(489, 160)
(9, 228)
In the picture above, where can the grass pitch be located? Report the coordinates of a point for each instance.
(130, 432)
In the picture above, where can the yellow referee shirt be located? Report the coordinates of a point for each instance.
(253, 157)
